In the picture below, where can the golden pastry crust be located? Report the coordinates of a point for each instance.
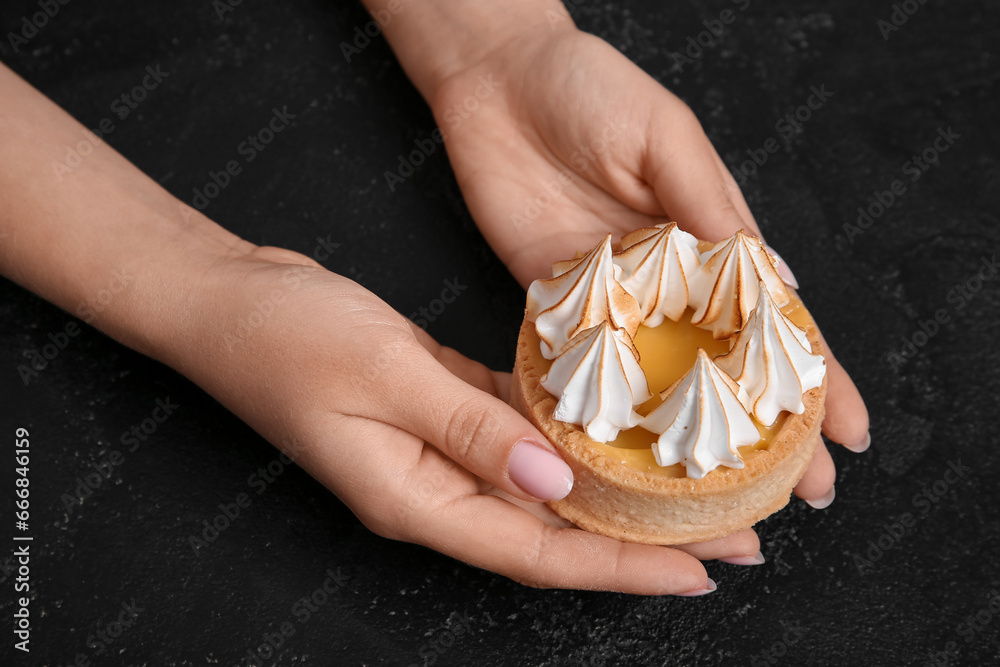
(614, 499)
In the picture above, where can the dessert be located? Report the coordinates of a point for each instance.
(680, 380)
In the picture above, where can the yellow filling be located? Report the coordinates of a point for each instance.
(666, 353)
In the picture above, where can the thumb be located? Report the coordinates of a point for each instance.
(475, 429)
(696, 189)
(690, 180)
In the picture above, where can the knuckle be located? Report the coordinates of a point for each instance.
(389, 518)
(384, 524)
(532, 559)
(472, 426)
(685, 118)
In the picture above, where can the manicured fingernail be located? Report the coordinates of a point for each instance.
(539, 472)
(861, 446)
(745, 560)
(784, 272)
(701, 591)
(824, 502)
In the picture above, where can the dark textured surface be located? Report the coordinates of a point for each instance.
(814, 602)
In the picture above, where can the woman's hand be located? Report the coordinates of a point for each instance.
(415, 438)
(570, 140)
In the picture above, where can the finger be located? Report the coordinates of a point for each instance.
(742, 548)
(740, 202)
(846, 418)
(736, 195)
(488, 532)
(474, 428)
(690, 184)
(419, 495)
(816, 485)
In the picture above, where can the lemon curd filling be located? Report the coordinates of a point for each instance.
(666, 353)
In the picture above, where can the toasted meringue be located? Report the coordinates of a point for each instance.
(656, 263)
(580, 298)
(702, 421)
(725, 290)
(772, 360)
(653, 483)
(598, 381)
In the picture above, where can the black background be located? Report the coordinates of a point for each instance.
(814, 602)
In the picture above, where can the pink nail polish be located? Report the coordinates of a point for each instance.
(745, 560)
(539, 472)
(824, 502)
(861, 446)
(784, 272)
(701, 591)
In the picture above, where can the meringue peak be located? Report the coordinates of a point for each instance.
(656, 263)
(773, 361)
(598, 381)
(580, 297)
(725, 289)
(702, 421)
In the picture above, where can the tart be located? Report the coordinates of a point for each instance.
(680, 380)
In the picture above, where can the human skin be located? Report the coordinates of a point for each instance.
(413, 437)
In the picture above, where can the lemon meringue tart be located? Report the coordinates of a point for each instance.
(680, 380)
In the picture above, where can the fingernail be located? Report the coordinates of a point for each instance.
(784, 272)
(861, 446)
(701, 591)
(745, 560)
(539, 472)
(824, 502)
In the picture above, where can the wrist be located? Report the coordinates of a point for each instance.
(435, 42)
(145, 293)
